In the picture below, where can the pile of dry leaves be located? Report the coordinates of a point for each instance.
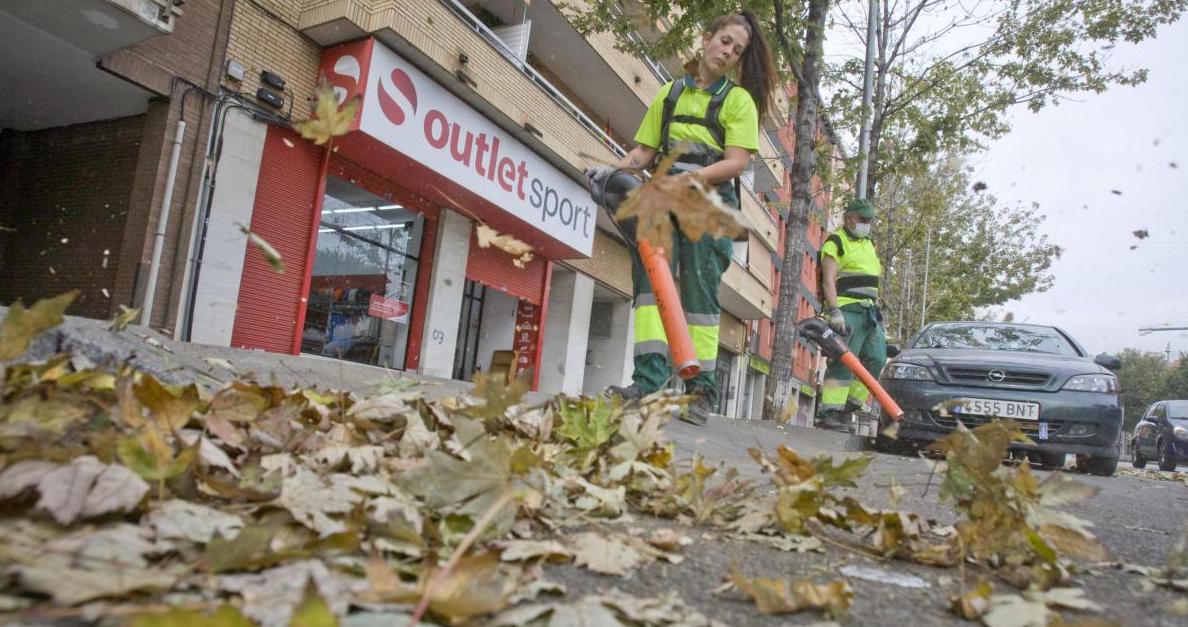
(125, 497)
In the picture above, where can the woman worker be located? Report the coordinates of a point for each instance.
(714, 125)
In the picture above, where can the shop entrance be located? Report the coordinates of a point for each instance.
(466, 353)
(724, 368)
(361, 292)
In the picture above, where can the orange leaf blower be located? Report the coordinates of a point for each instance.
(610, 191)
(834, 346)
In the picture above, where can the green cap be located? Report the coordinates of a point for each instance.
(862, 207)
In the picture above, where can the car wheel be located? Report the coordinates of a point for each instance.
(1100, 466)
(1047, 459)
(1167, 457)
(1136, 458)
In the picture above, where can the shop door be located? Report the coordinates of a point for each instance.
(361, 292)
(466, 352)
(725, 365)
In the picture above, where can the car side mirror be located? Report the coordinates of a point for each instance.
(1109, 362)
(893, 350)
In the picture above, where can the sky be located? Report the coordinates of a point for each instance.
(1071, 159)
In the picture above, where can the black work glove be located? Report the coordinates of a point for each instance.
(596, 175)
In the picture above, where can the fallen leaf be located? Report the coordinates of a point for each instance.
(521, 550)
(224, 616)
(22, 325)
(329, 120)
(178, 519)
(974, 603)
(776, 596)
(313, 610)
(272, 597)
(83, 488)
(170, 409)
(123, 319)
(609, 556)
(313, 500)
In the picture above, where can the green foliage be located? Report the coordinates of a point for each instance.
(589, 424)
(1146, 378)
(981, 253)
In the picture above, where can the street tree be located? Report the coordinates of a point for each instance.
(978, 252)
(1143, 379)
(946, 74)
(798, 29)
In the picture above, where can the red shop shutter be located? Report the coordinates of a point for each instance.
(493, 267)
(269, 302)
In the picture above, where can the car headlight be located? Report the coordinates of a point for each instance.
(907, 371)
(1106, 383)
(1181, 433)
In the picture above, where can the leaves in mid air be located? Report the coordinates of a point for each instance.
(329, 120)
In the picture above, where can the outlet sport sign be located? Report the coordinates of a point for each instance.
(411, 113)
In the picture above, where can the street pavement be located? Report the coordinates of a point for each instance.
(1138, 515)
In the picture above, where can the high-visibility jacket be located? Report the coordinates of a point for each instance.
(858, 267)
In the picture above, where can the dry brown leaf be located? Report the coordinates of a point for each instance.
(487, 237)
(974, 603)
(21, 325)
(609, 556)
(776, 596)
(84, 488)
(697, 208)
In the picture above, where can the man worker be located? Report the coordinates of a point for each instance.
(850, 271)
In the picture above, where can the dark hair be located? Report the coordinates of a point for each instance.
(756, 72)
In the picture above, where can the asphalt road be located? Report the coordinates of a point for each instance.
(1138, 515)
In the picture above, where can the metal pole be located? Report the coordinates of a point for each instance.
(867, 89)
(927, 259)
(150, 289)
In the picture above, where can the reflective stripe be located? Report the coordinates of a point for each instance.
(645, 299)
(834, 392)
(705, 341)
(705, 320)
(648, 325)
(708, 365)
(651, 347)
(832, 406)
(860, 292)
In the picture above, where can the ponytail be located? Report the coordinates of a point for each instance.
(756, 71)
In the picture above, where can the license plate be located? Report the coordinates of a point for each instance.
(1017, 410)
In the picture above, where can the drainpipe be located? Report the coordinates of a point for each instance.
(150, 289)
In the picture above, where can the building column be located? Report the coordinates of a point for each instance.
(231, 204)
(443, 306)
(566, 332)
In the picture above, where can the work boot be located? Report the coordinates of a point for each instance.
(834, 420)
(627, 393)
(699, 411)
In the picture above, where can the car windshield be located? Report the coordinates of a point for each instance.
(1177, 410)
(996, 337)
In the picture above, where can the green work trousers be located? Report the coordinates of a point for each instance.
(697, 268)
(868, 341)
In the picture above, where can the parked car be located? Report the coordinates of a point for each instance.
(1161, 435)
(977, 372)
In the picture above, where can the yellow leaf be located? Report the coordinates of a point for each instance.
(698, 209)
(270, 254)
(776, 596)
(171, 410)
(225, 616)
(475, 587)
(22, 325)
(384, 585)
(124, 318)
(329, 120)
(973, 604)
(313, 610)
(520, 251)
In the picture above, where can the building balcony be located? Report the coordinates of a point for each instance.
(759, 220)
(744, 295)
(769, 165)
(442, 37)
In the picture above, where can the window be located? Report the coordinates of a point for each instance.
(361, 293)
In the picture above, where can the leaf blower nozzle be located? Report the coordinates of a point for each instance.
(818, 331)
(610, 188)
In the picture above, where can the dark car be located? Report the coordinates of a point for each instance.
(977, 372)
(1161, 435)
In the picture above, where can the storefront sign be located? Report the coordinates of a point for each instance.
(524, 342)
(760, 364)
(408, 111)
(388, 308)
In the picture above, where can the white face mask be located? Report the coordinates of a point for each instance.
(862, 229)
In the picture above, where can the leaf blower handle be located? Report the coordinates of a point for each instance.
(818, 331)
(609, 187)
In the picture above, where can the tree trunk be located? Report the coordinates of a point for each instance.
(804, 163)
